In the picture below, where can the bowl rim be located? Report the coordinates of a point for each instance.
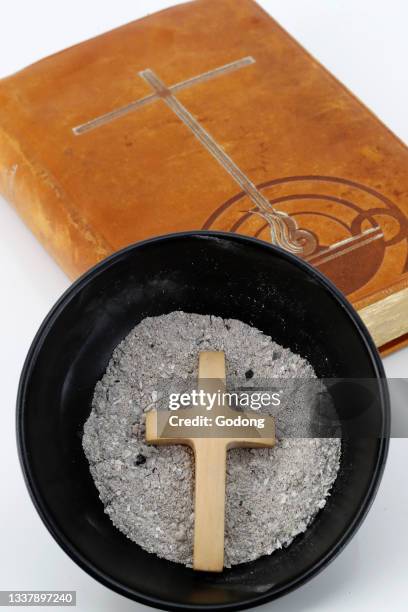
(47, 517)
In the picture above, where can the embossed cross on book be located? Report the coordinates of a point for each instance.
(210, 447)
(283, 228)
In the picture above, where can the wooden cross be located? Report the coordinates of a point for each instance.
(210, 453)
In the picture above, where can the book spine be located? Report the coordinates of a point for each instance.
(47, 210)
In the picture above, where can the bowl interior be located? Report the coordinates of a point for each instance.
(227, 276)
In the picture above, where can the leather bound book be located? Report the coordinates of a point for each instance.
(209, 115)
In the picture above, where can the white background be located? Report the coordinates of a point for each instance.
(365, 44)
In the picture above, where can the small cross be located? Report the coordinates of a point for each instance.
(210, 453)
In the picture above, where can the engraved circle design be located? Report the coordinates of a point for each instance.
(352, 225)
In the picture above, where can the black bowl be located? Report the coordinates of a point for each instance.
(202, 272)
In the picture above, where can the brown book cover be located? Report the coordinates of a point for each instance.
(209, 115)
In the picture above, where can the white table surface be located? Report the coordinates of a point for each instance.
(364, 43)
